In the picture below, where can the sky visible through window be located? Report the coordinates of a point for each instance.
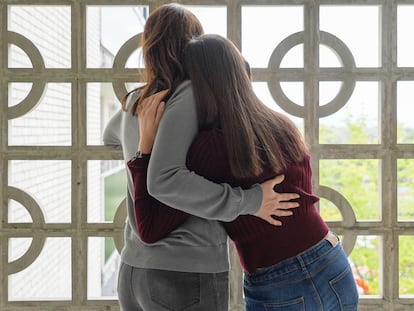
(261, 35)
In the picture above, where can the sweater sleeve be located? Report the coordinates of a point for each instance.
(172, 183)
(153, 219)
(112, 131)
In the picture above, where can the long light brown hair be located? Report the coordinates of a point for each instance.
(166, 32)
(254, 134)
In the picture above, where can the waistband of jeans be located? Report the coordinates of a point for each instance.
(307, 257)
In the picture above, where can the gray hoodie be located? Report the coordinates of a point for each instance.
(200, 244)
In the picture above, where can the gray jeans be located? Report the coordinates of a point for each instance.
(162, 290)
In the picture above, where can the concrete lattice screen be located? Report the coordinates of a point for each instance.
(61, 79)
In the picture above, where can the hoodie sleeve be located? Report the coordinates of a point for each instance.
(170, 181)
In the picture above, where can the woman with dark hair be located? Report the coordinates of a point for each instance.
(297, 266)
(187, 268)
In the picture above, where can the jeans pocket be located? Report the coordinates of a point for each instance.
(175, 291)
(345, 289)
(296, 304)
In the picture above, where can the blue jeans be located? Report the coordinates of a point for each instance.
(319, 279)
(161, 290)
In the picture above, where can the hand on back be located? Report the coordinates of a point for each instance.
(274, 203)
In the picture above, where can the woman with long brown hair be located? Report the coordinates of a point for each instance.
(188, 267)
(299, 265)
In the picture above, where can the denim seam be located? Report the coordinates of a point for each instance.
(315, 291)
(343, 308)
(215, 290)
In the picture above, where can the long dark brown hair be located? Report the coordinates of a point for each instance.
(166, 32)
(254, 134)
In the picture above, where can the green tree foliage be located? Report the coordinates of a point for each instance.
(406, 265)
(358, 181)
(405, 180)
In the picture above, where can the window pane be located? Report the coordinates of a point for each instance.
(405, 188)
(365, 261)
(108, 28)
(406, 263)
(49, 123)
(405, 25)
(18, 91)
(293, 91)
(18, 213)
(262, 91)
(405, 124)
(48, 277)
(293, 58)
(357, 121)
(275, 24)
(357, 181)
(103, 266)
(48, 183)
(329, 211)
(361, 35)
(18, 58)
(18, 247)
(329, 57)
(48, 28)
(213, 18)
(328, 90)
(102, 104)
(106, 189)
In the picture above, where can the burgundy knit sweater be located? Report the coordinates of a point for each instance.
(258, 243)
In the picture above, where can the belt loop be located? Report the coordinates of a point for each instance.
(301, 262)
(332, 238)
